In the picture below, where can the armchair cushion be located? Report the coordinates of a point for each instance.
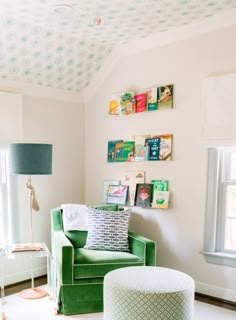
(108, 230)
(96, 263)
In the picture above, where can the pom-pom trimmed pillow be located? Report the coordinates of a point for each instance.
(108, 230)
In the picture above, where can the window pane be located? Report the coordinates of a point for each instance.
(231, 201)
(230, 222)
(233, 164)
(230, 234)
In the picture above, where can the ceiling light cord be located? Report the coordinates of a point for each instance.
(97, 19)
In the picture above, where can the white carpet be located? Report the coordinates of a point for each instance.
(17, 308)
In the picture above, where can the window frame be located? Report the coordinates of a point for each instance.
(217, 180)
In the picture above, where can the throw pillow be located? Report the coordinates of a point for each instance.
(108, 230)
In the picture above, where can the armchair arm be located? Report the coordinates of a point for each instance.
(143, 248)
(62, 249)
(63, 254)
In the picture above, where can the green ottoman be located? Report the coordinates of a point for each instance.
(148, 293)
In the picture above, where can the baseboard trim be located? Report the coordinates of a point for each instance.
(225, 294)
(22, 276)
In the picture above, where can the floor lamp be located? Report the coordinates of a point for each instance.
(31, 159)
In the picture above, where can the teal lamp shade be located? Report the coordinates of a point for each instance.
(30, 158)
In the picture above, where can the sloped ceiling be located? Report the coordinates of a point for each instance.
(55, 43)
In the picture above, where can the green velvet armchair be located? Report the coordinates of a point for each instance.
(79, 272)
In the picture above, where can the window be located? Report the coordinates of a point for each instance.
(220, 228)
(8, 205)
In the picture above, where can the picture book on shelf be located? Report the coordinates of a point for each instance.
(165, 97)
(131, 178)
(111, 150)
(160, 193)
(114, 104)
(139, 139)
(141, 153)
(152, 97)
(117, 194)
(106, 184)
(160, 185)
(165, 152)
(143, 195)
(140, 102)
(127, 152)
(119, 150)
(122, 103)
(127, 103)
(160, 199)
(154, 147)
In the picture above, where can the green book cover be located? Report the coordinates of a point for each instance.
(111, 150)
(127, 151)
(160, 185)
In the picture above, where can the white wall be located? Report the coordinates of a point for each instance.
(47, 120)
(178, 231)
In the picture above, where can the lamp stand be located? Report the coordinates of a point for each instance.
(32, 293)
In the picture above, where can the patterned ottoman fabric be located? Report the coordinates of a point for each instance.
(148, 293)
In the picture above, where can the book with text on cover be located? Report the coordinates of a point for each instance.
(24, 247)
(127, 153)
(140, 102)
(165, 152)
(154, 147)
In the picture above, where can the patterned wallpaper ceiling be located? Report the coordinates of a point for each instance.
(55, 43)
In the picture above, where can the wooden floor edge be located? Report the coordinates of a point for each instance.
(219, 302)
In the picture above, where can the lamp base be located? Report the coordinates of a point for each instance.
(35, 293)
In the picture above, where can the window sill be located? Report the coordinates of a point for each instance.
(221, 258)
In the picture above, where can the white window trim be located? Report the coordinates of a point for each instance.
(210, 232)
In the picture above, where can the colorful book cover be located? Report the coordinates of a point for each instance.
(106, 184)
(131, 178)
(154, 147)
(160, 185)
(127, 151)
(139, 139)
(141, 153)
(165, 152)
(119, 151)
(143, 195)
(161, 199)
(127, 103)
(117, 194)
(152, 99)
(165, 97)
(140, 102)
(114, 104)
(111, 150)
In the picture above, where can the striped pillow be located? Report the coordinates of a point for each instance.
(108, 230)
